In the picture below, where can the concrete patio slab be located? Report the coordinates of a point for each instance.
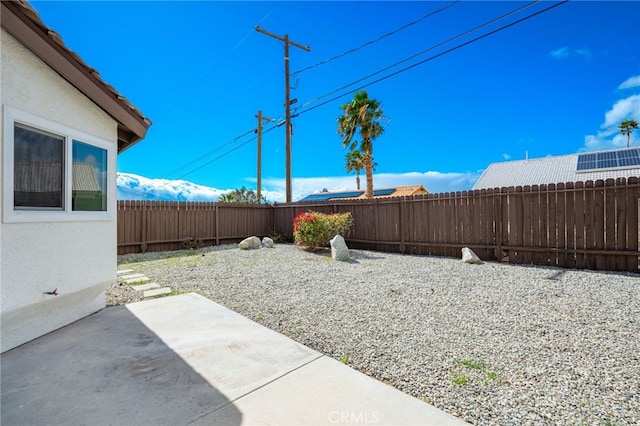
(327, 392)
(187, 360)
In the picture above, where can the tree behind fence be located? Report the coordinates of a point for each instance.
(590, 225)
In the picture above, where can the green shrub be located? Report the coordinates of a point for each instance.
(314, 230)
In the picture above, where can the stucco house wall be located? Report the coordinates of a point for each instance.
(72, 252)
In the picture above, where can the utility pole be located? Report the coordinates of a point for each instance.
(287, 101)
(260, 118)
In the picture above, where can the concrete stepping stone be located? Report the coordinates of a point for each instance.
(137, 280)
(157, 292)
(144, 287)
(133, 275)
(124, 272)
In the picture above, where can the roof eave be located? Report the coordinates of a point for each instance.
(47, 45)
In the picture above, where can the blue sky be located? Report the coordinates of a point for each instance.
(555, 84)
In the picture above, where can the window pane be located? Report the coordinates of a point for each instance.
(38, 169)
(89, 178)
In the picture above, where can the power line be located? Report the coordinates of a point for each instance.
(355, 49)
(225, 58)
(224, 154)
(381, 78)
(251, 31)
(217, 158)
(295, 54)
(517, 10)
(436, 56)
(218, 148)
(205, 155)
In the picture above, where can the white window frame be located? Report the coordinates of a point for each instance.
(12, 214)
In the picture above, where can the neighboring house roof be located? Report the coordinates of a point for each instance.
(407, 191)
(559, 169)
(22, 21)
(400, 191)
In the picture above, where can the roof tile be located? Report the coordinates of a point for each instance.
(400, 191)
(29, 11)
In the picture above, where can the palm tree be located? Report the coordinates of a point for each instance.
(361, 114)
(228, 197)
(354, 164)
(626, 127)
(240, 195)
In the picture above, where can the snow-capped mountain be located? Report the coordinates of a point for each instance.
(134, 187)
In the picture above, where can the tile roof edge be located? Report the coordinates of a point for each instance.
(24, 8)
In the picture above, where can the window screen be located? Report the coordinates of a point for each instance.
(38, 169)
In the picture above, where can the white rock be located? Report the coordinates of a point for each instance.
(267, 242)
(339, 249)
(250, 243)
(468, 256)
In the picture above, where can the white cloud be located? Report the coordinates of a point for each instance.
(602, 143)
(627, 108)
(566, 52)
(560, 53)
(584, 52)
(434, 182)
(506, 156)
(609, 136)
(134, 187)
(630, 82)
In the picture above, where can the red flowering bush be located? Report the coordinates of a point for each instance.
(314, 230)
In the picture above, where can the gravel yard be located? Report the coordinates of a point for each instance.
(492, 343)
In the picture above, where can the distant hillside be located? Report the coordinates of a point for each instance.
(134, 187)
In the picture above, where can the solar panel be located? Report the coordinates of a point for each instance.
(316, 197)
(387, 191)
(324, 196)
(586, 161)
(352, 194)
(609, 159)
(630, 157)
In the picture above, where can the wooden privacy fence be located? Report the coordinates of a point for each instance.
(167, 225)
(590, 225)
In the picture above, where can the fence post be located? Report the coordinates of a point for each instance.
(498, 223)
(633, 204)
(401, 225)
(552, 223)
(143, 231)
(272, 220)
(610, 222)
(217, 214)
